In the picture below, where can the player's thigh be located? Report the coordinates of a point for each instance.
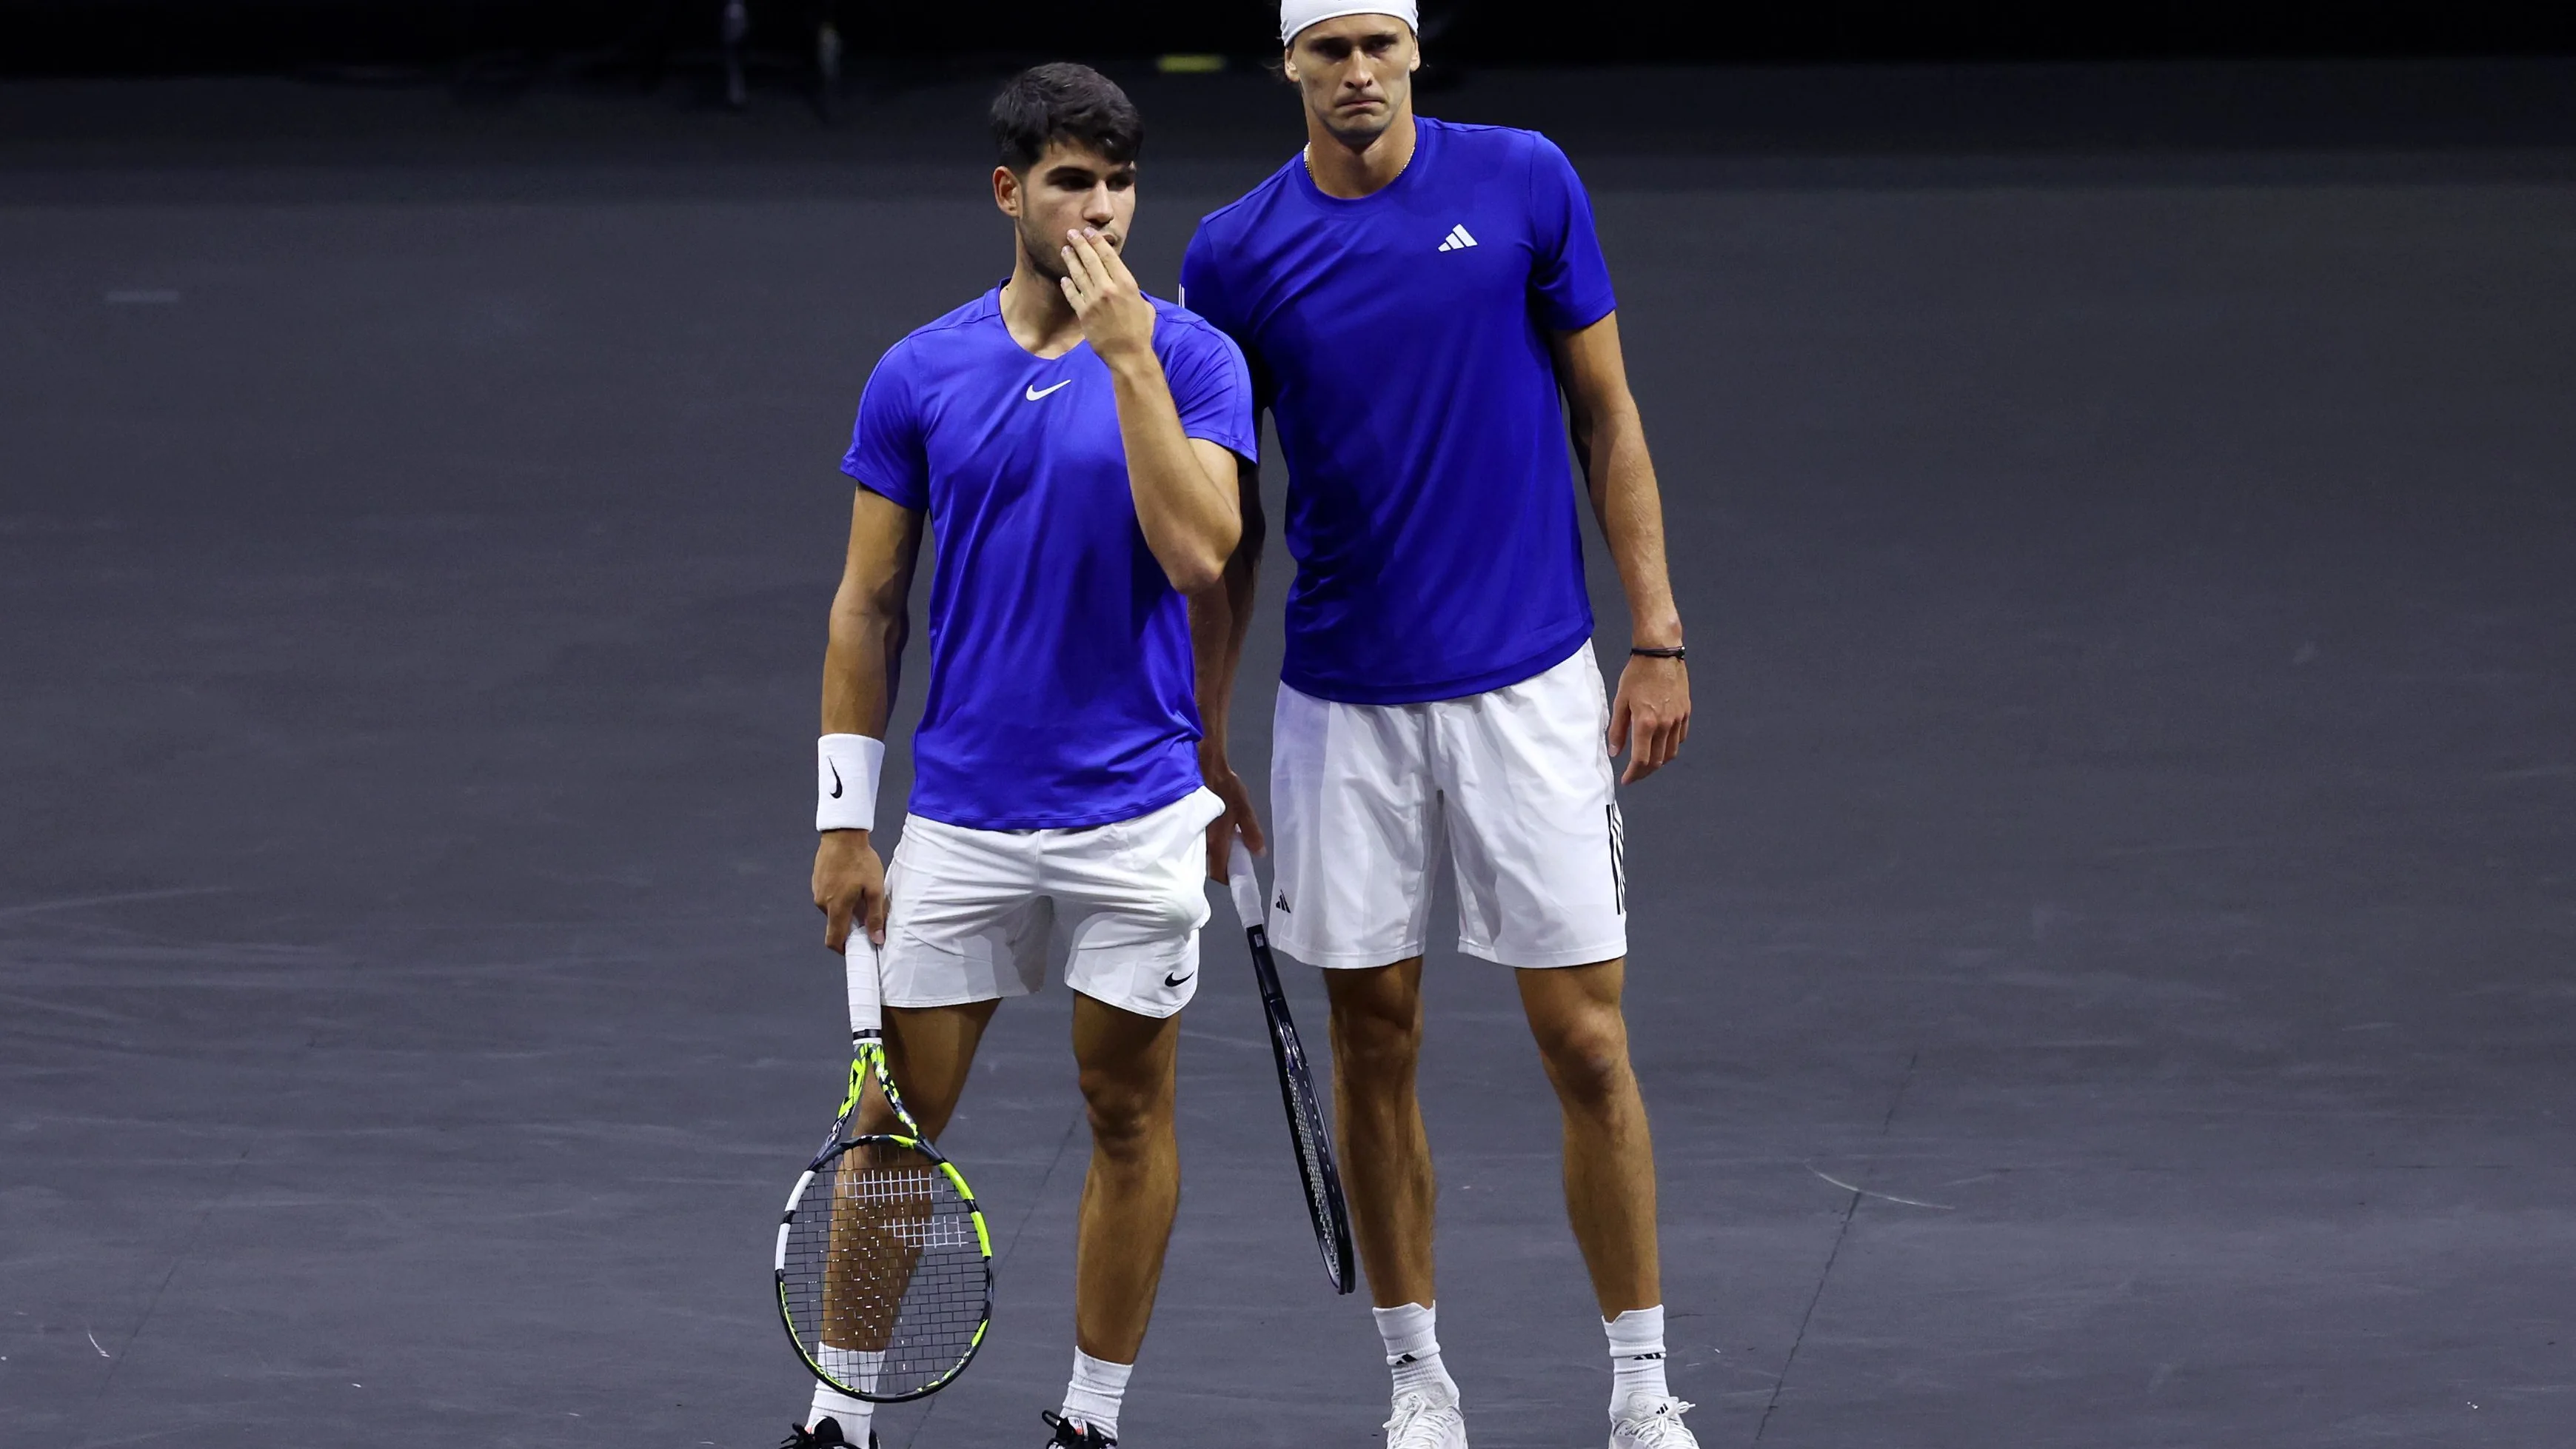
(1376, 1021)
(1127, 1061)
(931, 1050)
(1131, 897)
(965, 921)
(1533, 819)
(1355, 826)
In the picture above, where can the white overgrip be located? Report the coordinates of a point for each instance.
(1245, 885)
(859, 964)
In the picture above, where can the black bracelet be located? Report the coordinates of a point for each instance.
(1675, 652)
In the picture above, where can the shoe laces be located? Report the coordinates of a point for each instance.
(1412, 1424)
(1659, 1427)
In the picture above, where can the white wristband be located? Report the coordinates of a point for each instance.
(845, 781)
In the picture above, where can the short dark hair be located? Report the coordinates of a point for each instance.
(1063, 101)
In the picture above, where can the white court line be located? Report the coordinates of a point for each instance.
(121, 897)
(1881, 1196)
(1193, 1034)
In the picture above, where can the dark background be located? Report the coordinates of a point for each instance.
(96, 37)
(2100, 970)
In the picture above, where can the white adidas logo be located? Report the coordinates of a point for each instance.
(1458, 240)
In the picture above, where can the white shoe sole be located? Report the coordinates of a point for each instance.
(1456, 1438)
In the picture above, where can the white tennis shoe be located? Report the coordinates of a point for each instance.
(1423, 1422)
(1651, 1424)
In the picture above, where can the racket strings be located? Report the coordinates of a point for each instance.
(885, 1280)
(1310, 1151)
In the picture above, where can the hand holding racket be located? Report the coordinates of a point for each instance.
(1314, 1146)
(884, 1265)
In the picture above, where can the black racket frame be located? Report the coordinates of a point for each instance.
(1325, 1206)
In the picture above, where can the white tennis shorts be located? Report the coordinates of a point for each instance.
(971, 912)
(1512, 789)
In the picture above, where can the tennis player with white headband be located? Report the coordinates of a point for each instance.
(1424, 305)
(1295, 16)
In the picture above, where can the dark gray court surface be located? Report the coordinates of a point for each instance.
(2105, 969)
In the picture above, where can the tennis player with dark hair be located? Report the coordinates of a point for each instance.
(1415, 297)
(1073, 444)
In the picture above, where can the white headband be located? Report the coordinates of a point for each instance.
(1296, 15)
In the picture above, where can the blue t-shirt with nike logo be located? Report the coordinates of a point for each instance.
(1061, 692)
(1401, 344)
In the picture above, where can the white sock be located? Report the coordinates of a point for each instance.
(1636, 1357)
(1093, 1394)
(853, 1415)
(850, 1366)
(1413, 1350)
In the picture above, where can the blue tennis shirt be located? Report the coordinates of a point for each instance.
(1061, 692)
(1401, 344)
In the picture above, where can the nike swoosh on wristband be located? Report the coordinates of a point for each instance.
(1033, 392)
(1171, 980)
(836, 782)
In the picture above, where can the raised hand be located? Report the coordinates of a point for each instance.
(1116, 319)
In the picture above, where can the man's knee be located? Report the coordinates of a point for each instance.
(1129, 1103)
(1590, 1068)
(1583, 1040)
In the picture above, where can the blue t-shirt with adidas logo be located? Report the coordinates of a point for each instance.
(1401, 344)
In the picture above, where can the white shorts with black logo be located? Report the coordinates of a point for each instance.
(1511, 790)
(971, 912)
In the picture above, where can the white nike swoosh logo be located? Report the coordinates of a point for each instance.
(1034, 394)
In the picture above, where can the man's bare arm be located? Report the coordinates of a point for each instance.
(1650, 716)
(1220, 616)
(1183, 486)
(862, 663)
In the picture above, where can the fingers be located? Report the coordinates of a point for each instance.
(1242, 819)
(1106, 263)
(836, 923)
(1078, 282)
(1650, 717)
(1082, 259)
(1238, 819)
(1220, 843)
(875, 899)
(1658, 743)
(1113, 264)
(864, 908)
(1647, 757)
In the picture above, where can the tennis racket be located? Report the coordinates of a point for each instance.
(885, 1267)
(1324, 1203)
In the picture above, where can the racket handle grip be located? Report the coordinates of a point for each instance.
(1244, 885)
(867, 989)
